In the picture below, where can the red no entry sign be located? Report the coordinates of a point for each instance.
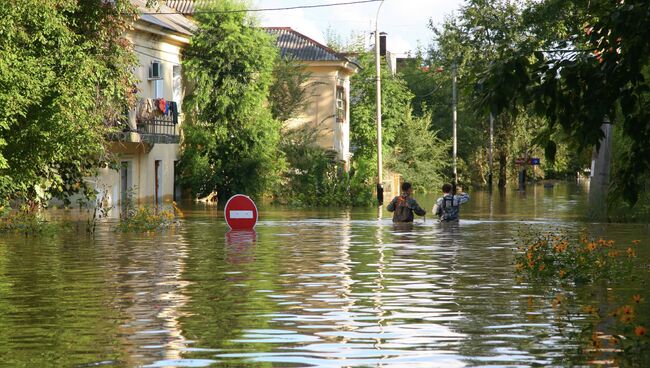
(240, 212)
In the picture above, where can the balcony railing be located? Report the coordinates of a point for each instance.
(149, 124)
(159, 129)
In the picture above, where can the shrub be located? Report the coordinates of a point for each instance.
(556, 256)
(148, 219)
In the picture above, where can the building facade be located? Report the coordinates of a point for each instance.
(327, 109)
(147, 148)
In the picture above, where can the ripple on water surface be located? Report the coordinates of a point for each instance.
(337, 291)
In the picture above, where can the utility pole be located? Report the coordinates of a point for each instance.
(454, 118)
(380, 187)
(490, 176)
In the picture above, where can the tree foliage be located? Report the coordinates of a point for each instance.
(64, 80)
(409, 146)
(231, 140)
(395, 105)
(603, 74)
(419, 154)
(289, 92)
(482, 32)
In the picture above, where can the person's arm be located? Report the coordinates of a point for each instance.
(391, 205)
(437, 210)
(416, 208)
(462, 198)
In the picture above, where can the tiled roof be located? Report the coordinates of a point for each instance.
(185, 6)
(167, 19)
(301, 47)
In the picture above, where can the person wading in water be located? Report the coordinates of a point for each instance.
(447, 207)
(403, 205)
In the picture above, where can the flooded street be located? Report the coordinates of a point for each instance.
(330, 288)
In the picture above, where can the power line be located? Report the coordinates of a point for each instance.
(265, 9)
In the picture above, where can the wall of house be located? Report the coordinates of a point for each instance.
(141, 157)
(320, 110)
(149, 47)
(141, 173)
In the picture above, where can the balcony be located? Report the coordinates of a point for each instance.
(151, 122)
(162, 129)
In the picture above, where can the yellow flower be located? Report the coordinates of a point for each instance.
(595, 341)
(557, 301)
(626, 318)
(590, 310)
(640, 331)
(542, 267)
(562, 273)
(631, 253)
(626, 309)
(591, 246)
(635, 241)
(637, 298)
(519, 266)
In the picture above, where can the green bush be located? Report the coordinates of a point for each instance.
(25, 222)
(148, 219)
(316, 178)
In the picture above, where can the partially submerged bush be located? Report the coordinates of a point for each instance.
(25, 222)
(149, 219)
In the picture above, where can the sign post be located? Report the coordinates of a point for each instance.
(240, 212)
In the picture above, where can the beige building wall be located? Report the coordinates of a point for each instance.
(321, 108)
(150, 43)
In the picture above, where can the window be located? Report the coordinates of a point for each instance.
(341, 104)
(177, 86)
(158, 91)
(157, 78)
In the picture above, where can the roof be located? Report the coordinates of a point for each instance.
(297, 45)
(168, 18)
(185, 6)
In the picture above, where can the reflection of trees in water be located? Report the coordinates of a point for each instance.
(54, 296)
(83, 300)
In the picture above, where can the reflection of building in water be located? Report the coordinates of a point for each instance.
(149, 274)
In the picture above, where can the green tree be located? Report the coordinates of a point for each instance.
(597, 69)
(289, 92)
(419, 154)
(64, 82)
(396, 104)
(231, 140)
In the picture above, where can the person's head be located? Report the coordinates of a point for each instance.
(446, 188)
(407, 187)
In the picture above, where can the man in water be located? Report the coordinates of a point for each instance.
(447, 207)
(403, 205)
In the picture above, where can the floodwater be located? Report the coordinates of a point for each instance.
(326, 288)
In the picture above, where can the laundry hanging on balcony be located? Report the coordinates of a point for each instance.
(173, 110)
(145, 109)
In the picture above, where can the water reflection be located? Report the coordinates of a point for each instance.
(331, 289)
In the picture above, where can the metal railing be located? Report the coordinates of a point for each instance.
(159, 129)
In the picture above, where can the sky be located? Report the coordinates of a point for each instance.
(405, 21)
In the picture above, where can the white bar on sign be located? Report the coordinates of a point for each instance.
(241, 214)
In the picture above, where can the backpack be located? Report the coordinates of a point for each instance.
(449, 208)
(402, 211)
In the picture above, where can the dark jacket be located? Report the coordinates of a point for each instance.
(403, 207)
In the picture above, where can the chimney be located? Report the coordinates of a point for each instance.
(382, 43)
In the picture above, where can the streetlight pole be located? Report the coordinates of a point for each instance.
(380, 187)
(454, 120)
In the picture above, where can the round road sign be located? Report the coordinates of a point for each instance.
(240, 212)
